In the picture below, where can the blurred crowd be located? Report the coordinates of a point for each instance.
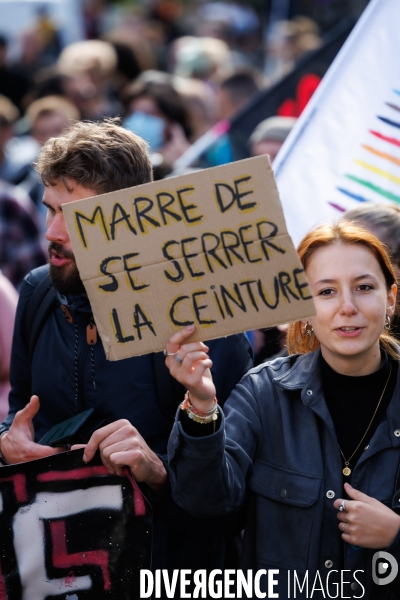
(169, 69)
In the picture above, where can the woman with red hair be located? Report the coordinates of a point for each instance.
(313, 437)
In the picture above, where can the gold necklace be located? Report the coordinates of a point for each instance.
(347, 471)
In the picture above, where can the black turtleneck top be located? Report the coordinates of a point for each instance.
(352, 402)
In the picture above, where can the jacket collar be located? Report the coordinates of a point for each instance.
(300, 374)
(305, 375)
(75, 303)
(393, 414)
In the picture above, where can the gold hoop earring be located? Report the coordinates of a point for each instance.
(308, 329)
(387, 323)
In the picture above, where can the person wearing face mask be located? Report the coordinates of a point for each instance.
(158, 113)
(314, 438)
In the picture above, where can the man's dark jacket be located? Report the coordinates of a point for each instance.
(139, 389)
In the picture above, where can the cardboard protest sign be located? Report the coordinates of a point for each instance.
(71, 530)
(209, 248)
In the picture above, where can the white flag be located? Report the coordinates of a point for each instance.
(345, 147)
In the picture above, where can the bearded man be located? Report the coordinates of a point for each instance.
(66, 373)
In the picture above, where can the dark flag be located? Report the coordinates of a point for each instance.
(71, 530)
(290, 95)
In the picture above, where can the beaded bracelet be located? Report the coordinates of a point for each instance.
(202, 417)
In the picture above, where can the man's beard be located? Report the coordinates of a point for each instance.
(65, 279)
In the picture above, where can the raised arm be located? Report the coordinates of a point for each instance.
(190, 365)
(211, 465)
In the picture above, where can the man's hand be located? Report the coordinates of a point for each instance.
(17, 444)
(366, 522)
(121, 445)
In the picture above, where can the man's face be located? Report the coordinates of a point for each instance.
(63, 270)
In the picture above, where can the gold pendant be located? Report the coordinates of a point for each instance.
(346, 471)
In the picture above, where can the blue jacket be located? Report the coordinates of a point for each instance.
(277, 439)
(139, 389)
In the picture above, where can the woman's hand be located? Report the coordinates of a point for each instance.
(190, 365)
(366, 522)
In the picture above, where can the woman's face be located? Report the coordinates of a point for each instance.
(352, 301)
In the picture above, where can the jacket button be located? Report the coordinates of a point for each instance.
(397, 432)
(309, 392)
(330, 494)
(328, 564)
(283, 493)
(354, 585)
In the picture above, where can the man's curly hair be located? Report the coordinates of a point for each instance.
(102, 156)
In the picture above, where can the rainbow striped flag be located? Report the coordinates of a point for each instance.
(345, 147)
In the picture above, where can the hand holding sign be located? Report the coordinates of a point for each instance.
(17, 444)
(194, 370)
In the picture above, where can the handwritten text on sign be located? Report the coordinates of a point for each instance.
(209, 248)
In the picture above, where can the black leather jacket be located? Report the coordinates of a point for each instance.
(277, 439)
